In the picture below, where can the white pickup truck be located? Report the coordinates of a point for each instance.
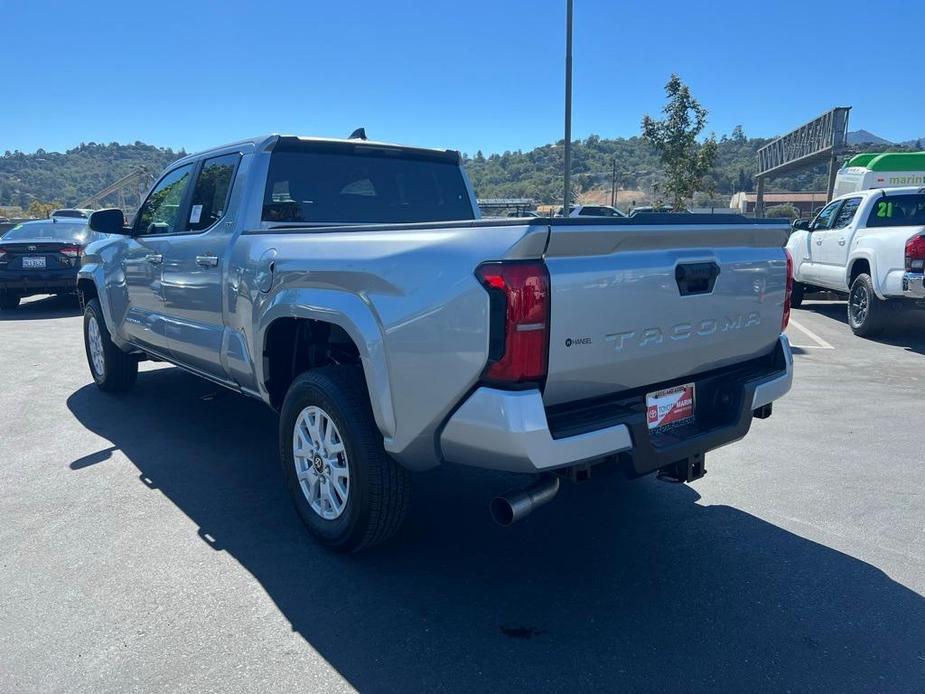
(869, 244)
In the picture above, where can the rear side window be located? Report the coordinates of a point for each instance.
(212, 191)
(897, 211)
(363, 185)
(846, 213)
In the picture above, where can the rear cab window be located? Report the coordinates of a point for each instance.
(327, 183)
(898, 210)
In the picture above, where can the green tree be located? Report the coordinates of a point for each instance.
(685, 160)
(787, 211)
(41, 210)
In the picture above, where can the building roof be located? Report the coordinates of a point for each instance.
(820, 196)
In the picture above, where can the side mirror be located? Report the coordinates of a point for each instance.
(800, 225)
(110, 221)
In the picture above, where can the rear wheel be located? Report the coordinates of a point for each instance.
(113, 370)
(866, 313)
(8, 300)
(348, 491)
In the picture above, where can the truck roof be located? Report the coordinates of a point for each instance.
(889, 161)
(268, 143)
(882, 191)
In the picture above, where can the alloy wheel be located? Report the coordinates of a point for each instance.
(321, 462)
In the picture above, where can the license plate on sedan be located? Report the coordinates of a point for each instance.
(670, 408)
(34, 262)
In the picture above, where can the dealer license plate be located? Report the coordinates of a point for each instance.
(37, 262)
(670, 408)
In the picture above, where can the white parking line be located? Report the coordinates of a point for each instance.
(820, 343)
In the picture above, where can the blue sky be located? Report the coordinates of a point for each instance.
(465, 75)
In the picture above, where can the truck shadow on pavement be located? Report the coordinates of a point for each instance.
(907, 329)
(614, 585)
(45, 308)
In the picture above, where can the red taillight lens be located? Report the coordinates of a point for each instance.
(915, 254)
(788, 291)
(519, 320)
(70, 251)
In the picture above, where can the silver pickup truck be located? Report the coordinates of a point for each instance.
(351, 286)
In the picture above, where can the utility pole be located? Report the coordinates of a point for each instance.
(568, 108)
(613, 184)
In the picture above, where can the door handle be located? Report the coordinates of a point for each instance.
(841, 242)
(154, 258)
(819, 242)
(207, 260)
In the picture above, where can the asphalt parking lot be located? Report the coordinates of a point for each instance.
(149, 545)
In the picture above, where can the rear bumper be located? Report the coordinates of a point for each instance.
(914, 285)
(39, 282)
(512, 430)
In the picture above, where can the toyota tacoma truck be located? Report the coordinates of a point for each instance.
(351, 286)
(869, 245)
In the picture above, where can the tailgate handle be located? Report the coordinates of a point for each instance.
(696, 278)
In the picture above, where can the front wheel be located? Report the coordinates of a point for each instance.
(113, 370)
(796, 296)
(348, 491)
(866, 312)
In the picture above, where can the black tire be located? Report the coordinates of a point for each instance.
(378, 487)
(867, 314)
(796, 296)
(9, 301)
(120, 370)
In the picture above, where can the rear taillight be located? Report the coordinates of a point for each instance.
(70, 251)
(2, 253)
(915, 254)
(788, 291)
(518, 320)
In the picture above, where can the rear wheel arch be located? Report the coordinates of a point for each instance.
(294, 345)
(862, 265)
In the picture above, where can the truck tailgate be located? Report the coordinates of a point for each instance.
(638, 304)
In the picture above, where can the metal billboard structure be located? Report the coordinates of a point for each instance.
(816, 142)
(135, 184)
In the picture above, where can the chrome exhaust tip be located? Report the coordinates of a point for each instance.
(510, 508)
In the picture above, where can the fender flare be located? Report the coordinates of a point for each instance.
(94, 273)
(357, 318)
(864, 254)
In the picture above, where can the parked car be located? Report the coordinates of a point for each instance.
(67, 214)
(592, 211)
(869, 245)
(352, 288)
(40, 257)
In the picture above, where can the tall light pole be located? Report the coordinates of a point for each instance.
(568, 108)
(613, 184)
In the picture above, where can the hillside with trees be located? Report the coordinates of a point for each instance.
(537, 174)
(66, 178)
(42, 180)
